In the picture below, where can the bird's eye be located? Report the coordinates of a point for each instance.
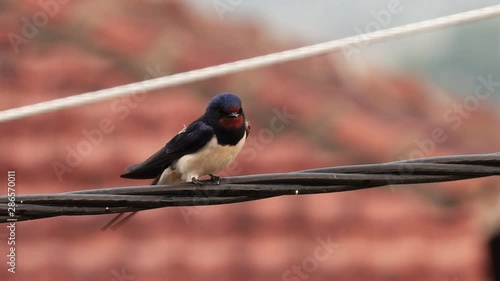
(218, 110)
(240, 111)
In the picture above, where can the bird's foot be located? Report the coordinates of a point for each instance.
(215, 179)
(197, 182)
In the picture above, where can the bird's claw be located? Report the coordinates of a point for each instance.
(215, 179)
(197, 182)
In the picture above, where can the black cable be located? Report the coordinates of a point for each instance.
(251, 187)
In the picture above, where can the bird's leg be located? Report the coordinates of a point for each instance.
(197, 182)
(215, 179)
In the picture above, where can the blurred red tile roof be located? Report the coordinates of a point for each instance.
(339, 118)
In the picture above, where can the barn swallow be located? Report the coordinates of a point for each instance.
(203, 148)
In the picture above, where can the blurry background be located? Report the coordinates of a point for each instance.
(364, 105)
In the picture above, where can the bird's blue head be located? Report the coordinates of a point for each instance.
(225, 101)
(225, 109)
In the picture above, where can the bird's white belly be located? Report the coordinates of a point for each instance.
(208, 160)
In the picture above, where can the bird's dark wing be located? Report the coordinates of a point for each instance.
(188, 141)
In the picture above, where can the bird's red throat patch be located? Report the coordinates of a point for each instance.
(231, 122)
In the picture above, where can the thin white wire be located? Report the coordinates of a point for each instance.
(237, 66)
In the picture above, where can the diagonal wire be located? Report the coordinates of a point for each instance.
(251, 187)
(252, 63)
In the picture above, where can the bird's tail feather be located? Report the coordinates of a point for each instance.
(128, 217)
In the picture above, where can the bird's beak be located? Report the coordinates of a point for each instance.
(233, 114)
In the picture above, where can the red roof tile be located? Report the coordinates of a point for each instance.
(388, 233)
